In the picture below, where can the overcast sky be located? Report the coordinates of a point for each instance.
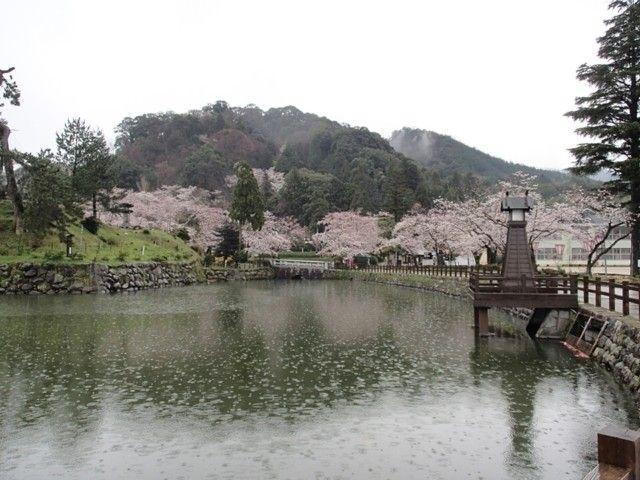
(495, 74)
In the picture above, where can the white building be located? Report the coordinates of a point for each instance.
(569, 254)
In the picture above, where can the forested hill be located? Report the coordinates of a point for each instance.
(327, 166)
(448, 156)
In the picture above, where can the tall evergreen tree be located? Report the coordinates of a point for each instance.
(229, 234)
(84, 153)
(398, 197)
(609, 115)
(47, 194)
(246, 204)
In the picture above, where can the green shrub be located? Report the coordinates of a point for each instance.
(146, 232)
(52, 256)
(183, 234)
(91, 224)
(241, 256)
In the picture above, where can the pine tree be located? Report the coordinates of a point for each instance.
(247, 206)
(398, 197)
(47, 194)
(85, 155)
(609, 115)
(229, 239)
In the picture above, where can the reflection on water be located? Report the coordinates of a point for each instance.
(288, 380)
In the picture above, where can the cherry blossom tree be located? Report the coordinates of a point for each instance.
(275, 178)
(598, 214)
(170, 208)
(348, 234)
(477, 224)
(545, 220)
(482, 218)
(440, 230)
(277, 234)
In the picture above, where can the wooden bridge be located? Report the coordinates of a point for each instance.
(294, 268)
(541, 293)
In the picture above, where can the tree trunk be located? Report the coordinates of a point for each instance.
(590, 263)
(634, 206)
(94, 205)
(12, 187)
(239, 244)
(492, 256)
(634, 151)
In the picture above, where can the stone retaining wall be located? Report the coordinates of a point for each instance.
(454, 286)
(214, 275)
(28, 278)
(618, 350)
(33, 279)
(142, 276)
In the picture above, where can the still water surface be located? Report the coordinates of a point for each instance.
(288, 380)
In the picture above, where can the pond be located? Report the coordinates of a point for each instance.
(326, 379)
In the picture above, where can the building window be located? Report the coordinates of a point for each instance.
(619, 232)
(546, 254)
(578, 254)
(617, 254)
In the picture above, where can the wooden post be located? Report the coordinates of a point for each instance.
(612, 295)
(585, 287)
(573, 279)
(625, 298)
(620, 448)
(481, 321)
(598, 292)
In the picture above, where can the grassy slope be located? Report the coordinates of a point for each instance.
(111, 245)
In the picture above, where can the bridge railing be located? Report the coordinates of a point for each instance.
(623, 297)
(301, 263)
(434, 270)
(561, 284)
(618, 296)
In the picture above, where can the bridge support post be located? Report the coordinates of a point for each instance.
(619, 453)
(481, 321)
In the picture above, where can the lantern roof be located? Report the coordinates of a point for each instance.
(516, 203)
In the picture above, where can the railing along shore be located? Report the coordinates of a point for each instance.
(618, 296)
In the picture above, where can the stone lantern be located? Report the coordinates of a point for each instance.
(516, 206)
(518, 285)
(518, 267)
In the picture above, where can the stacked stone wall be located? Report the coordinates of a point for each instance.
(35, 279)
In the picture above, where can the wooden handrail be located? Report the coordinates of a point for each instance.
(616, 296)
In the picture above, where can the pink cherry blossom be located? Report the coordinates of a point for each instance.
(347, 234)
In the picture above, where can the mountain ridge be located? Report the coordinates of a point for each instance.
(327, 166)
